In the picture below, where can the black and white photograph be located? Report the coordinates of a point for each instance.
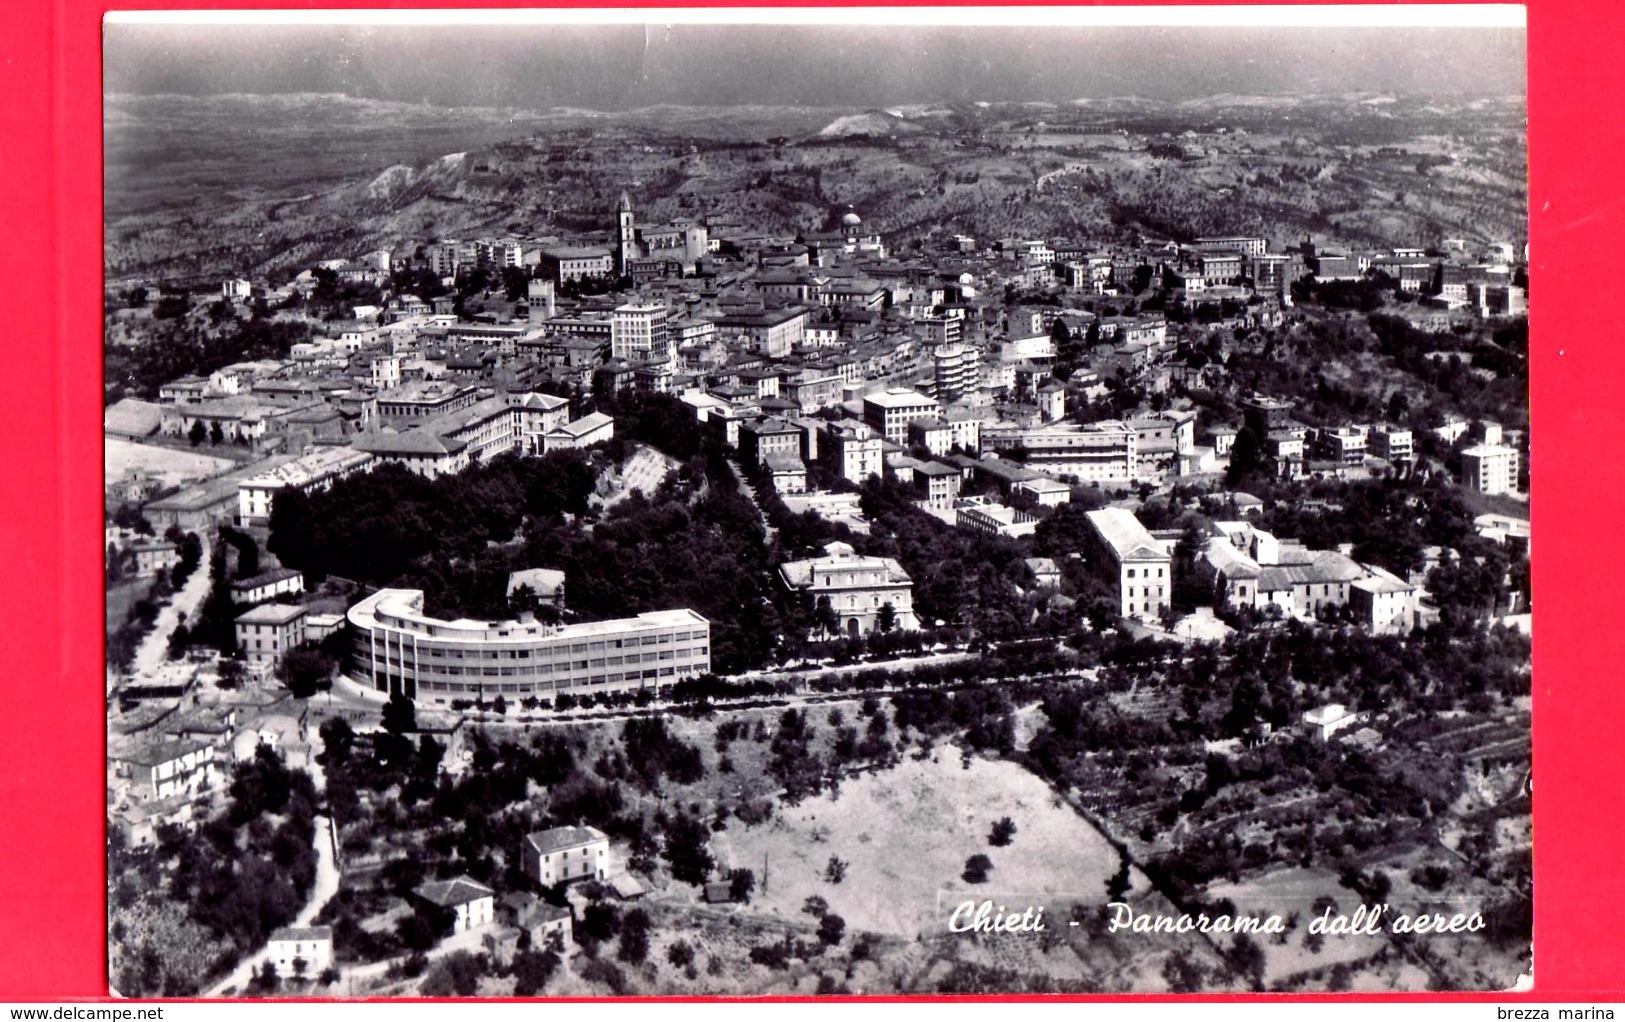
(790, 502)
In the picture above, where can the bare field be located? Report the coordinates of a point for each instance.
(173, 467)
(906, 834)
(1293, 892)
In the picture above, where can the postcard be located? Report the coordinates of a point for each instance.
(844, 502)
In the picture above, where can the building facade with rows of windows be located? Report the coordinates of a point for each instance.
(399, 649)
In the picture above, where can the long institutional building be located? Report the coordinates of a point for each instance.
(399, 649)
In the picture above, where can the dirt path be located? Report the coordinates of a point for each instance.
(154, 649)
(321, 891)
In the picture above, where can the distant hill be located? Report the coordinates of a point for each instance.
(264, 185)
(875, 123)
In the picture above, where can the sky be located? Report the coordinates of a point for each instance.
(618, 67)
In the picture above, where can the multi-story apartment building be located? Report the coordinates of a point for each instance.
(1392, 443)
(957, 370)
(534, 416)
(938, 485)
(1104, 451)
(853, 450)
(1346, 445)
(1490, 468)
(560, 855)
(268, 631)
(444, 257)
(638, 333)
(814, 392)
(769, 438)
(1133, 560)
(154, 771)
(400, 649)
(890, 411)
(312, 473)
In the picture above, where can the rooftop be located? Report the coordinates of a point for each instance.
(1123, 532)
(898, 397)
(450, 893)
(586, 424)
(559, 838)
(303, 933)
(266, 578)
(406, 607)
(272, 614)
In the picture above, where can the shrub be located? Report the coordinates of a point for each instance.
(976, 869)
(1003, 831)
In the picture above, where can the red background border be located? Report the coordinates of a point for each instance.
(52, 893)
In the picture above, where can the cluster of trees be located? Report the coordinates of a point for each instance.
(1450, 385)
(1388, 520)
(1151, 763)
(984, 715)
(240, 876)
(386, 524)
(961, 576)
(138, 622)
(180, 348)
(698, 542)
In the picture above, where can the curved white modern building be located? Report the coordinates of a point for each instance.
(397, 648)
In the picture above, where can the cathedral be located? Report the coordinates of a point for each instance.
(648, 250)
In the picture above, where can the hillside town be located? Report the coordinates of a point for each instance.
(403, 532)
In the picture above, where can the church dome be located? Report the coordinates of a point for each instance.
(851, 220)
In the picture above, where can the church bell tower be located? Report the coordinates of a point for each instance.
(626, 240)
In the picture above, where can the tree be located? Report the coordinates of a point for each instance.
(1118, 884)
(886, 618)
(815, 906)
(216, 434)
(976, 869)
(1245, 457)
(686, 849)
(1182, 973)
(338, 738)
(456, 974)
(305, 670)
(741, 882)
(267, 979)
(634, 947)
(399, 716)
(1247, 958)
(824, 619)
(835, 871)
(196, 435)
(831, 928)
(531, 971)
(232, 673)
(1003, 831)
(680, 954)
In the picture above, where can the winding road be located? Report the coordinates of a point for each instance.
(325, 886)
